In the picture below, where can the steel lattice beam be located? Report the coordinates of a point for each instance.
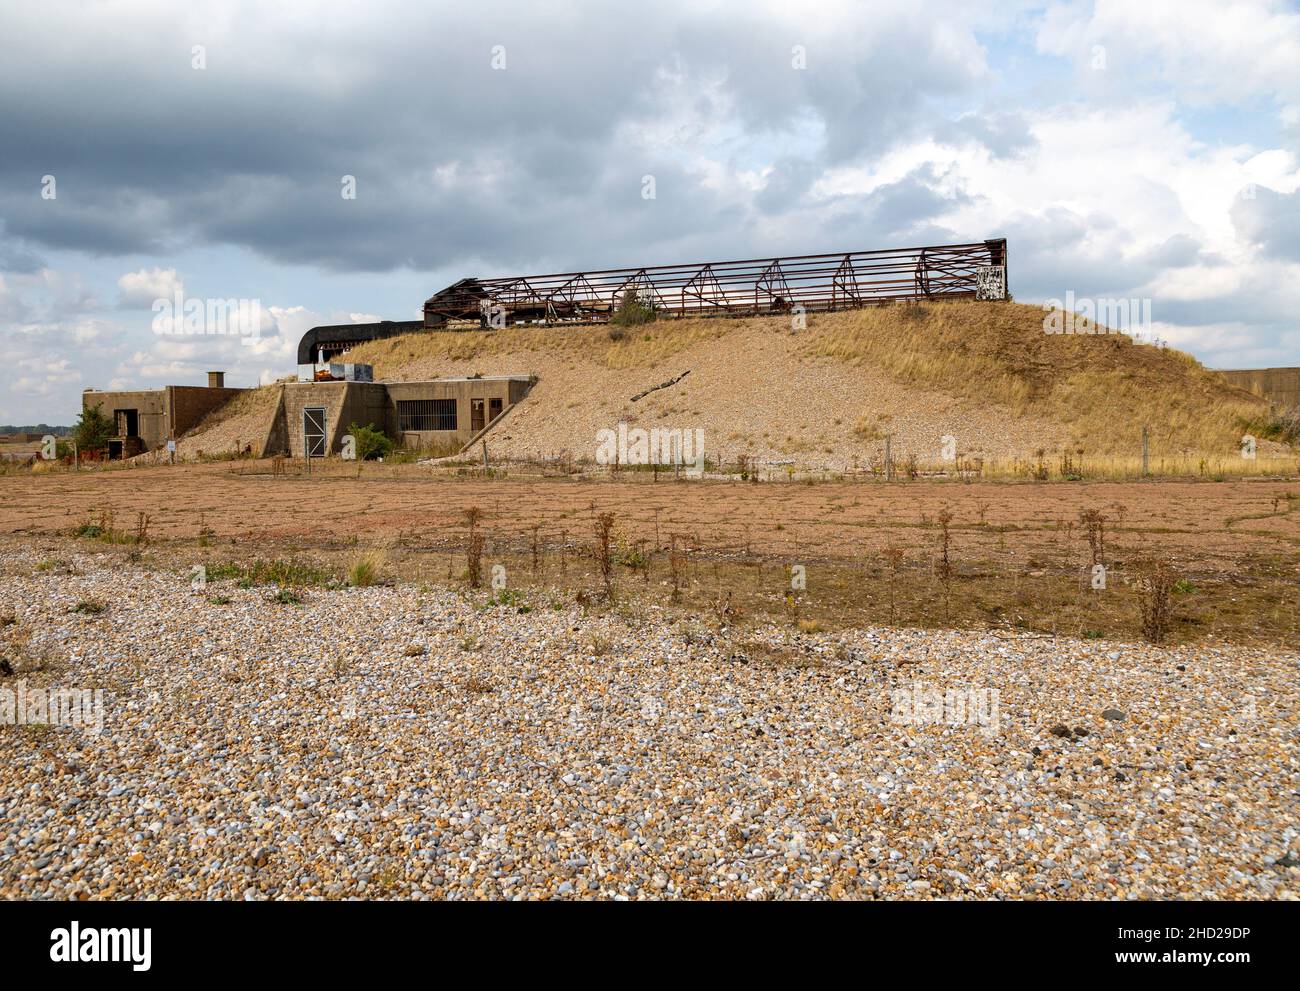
(843, 280)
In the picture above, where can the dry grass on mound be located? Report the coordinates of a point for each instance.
(261, 399)
(616, 347)
(1100, 390)
(244, 420)
(1103, 388)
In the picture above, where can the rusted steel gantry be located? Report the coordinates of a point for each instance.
(845, 280)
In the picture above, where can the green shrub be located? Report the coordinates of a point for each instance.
(277, 571)
(1282, 426)
(371, 443)
(633, 310)
(93, 428)
(365, 570)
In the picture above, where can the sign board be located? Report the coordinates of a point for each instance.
(171, 447)
(991, 282)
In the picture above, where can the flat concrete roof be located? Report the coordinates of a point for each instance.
(472, 378)
(460, 378)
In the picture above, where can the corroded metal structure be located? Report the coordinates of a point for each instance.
(844, 280)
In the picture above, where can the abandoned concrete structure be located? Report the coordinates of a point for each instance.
(144, 420)
(438, 416)
(1280, 386)
(320, 344)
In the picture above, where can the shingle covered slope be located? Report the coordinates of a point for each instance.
(827, 394)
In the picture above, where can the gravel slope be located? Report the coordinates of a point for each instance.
(775, 404)
(392, 743)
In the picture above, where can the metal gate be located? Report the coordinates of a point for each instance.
(313, 431)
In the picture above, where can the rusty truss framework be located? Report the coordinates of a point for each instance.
(839, 281)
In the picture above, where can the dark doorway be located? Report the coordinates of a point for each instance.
(494, 409)
(477, 415)
(128, 422)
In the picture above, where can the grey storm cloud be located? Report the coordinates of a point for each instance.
(16, 256)
(903, 206)
(1003, 134)
(452, 158)
(1271, 220)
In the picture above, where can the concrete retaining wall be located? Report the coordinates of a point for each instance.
(1280, 386)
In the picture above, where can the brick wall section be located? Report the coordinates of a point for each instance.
(191, 403)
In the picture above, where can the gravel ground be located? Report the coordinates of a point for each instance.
(393, 742)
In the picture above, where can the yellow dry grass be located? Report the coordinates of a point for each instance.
(610, 347)
(260, 401)
(1103, 388)
(1100, 390)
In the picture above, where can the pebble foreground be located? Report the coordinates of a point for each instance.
(399, 743)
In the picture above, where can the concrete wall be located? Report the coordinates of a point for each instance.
(276, 440)
(463, 390)
(345, 403)
(161, 413)
(1280, 386)
(367, 403)
(150, 404)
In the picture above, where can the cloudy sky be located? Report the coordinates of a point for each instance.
(1147, 150)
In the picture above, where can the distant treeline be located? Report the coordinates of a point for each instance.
(40, 428)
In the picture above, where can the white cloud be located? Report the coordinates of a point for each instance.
(1209, 50)
(142, 287)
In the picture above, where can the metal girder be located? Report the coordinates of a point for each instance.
(758, 285)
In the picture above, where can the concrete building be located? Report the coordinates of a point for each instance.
(1280, 386)
(438, 416)
(145, 420)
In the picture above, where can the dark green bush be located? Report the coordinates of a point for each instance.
(371, 443)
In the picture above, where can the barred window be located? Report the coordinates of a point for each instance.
(426, 414)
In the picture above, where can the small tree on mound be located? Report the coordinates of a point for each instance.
(635, 309)
(92, 429)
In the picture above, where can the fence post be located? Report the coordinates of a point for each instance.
(1146, 452)
(889, 459)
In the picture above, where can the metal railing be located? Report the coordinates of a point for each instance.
(844, 280)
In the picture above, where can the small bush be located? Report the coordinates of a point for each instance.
(365, 570)
(371, 443)
(474, 547)
(1281, 426)
(603, 553)
(634, 310)
(92, 429)
(1155, 583)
